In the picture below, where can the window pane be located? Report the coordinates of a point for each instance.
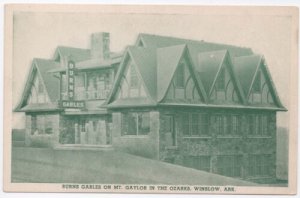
(40, 86)
(48, 125)
(264, 125)
(144, 123)
(129, 124)
(195, 123)
(257, 82)
(185, 124)
(134, 81)
(235, 124)
(124, 127)
(33, 124)
(132, 124)
(220, 84)
(179, 80)
(203, 129)
(40, 124)
(219, 124)
(251, 124)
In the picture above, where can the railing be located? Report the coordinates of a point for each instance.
(88, 95)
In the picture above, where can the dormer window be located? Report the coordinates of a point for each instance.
(179, 77)
(134, 80)
(257, 83)
(40, 86)
(220, 84)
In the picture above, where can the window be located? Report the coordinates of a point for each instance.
(40, 86)
(41, 124)
(168, 130)
(33, 124)
(227, 124)
(179, 77)
(134, 80)
(259, 165)
(259, 124)
(257, 82)
(195, 124)
(98, 85)
(198, 162)
(220, 83)
(135, 123)
(229, 165)
(80, 87)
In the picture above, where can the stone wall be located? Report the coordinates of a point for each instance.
(214, 145)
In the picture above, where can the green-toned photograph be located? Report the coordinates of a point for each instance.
(133, 100)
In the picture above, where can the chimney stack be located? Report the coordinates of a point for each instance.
(100, 46)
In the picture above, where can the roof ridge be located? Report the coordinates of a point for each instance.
(246, 56)
(193, 40)
(63, 46)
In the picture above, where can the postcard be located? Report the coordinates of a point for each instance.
(150, 99)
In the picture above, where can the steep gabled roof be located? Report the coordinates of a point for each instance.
(158, 57)
(207, 66)
(145, 60)
(246, 67)
(167, 61)
(78, 54)
(51, 83)
(194, 46)
(40, 67)
(83, 60)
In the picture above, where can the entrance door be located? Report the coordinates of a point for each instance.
(169, 130)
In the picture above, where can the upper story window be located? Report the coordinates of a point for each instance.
(179, 76)
(227, 124)
(40, 86)
(195, 124)
(90, 85)
(257, 83)
(220, 83)
(134, 80)
(259, 124)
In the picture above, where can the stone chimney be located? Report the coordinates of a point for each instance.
(100, 46)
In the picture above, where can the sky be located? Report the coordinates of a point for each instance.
(37, 34)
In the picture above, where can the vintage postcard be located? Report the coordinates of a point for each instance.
(150, 99)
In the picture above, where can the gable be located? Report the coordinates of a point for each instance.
(262, 90)
(225, 86)
(183, 85)
(37, 92)
(130, 85)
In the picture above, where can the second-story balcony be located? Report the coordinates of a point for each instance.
(100, 94)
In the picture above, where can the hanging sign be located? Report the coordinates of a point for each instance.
(71, 79)
(71, 102)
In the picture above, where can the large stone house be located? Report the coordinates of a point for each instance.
(202, 105)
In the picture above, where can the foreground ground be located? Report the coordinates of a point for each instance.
(38, 165)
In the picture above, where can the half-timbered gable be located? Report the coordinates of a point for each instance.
(136, 78)
(38, 93)
(131, 84)
(256, 81)
(41, 88)
(177, 75)
(219, 79)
